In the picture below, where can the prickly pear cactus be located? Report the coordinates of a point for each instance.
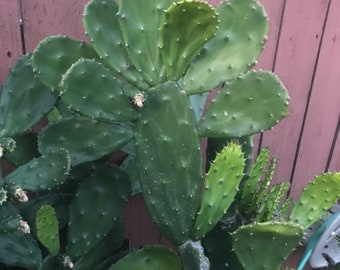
(221, 186)
(319, 196)
(253, 244)
(47, 228)
(171, 195)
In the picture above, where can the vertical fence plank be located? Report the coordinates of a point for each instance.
(324, 109)
(294, 64)
(10, 40)
(139, 228)
(334, 164)
(52, 17)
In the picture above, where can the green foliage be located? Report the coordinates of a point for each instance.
(47, 228)
(251, 244)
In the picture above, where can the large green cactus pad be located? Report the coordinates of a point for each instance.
(187, 26)
(24, 99)
(319, 196)
(42, 173)
(169, 160)
(140, 23)
(149, 258)
(99, 201)
(238, 42)
(46, 223)
(89, 139)
(99, 19)
(55, 54)
(101, 96)
(265, 245)
(221, 186)
(252, 103)
(19, 249)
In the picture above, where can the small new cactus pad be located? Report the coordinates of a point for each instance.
(239, 40)
(60, 202)
(10, 218)
(221, 186)
(99, 200)
(55, 54)
(140, 23)
(19, 249)
(42, 173)
(24, 99)
(252, 103)
(169, 160)
(187, 26)
(192, 255)
(89, 139)
(149, 258)
(265, 245)
(99, 19)
(46, 224)
(89, 88)
(247, 203)
(316, 198)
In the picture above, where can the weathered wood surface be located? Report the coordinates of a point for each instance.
(303, 49)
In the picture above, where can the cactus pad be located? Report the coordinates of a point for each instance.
(240, 38)
(99, 19)
(99, 200)
(10, 218)
(187, 26)
(43, 173)
(55, 54)
(166, 138)
(19, 249)
(253, 243)
(221, 186)
(101, 96)
(140, 23)
(317, 197)
(149, 258)
(47, 228)
(89, 139)
(252, 103)
(24, 100)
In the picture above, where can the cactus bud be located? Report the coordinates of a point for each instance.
(67, 262)
(24, 227)
(138, 100)
(21, 195)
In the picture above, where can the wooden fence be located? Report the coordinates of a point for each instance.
(303, 49)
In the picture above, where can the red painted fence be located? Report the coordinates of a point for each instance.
(303, 49)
